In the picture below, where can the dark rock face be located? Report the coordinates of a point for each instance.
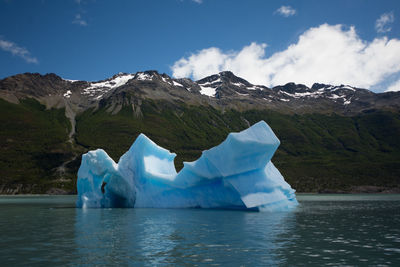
(293, 88)
(34, 84)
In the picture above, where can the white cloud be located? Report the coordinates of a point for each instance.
(79, 20)
(205, 62)
(286, 11)
(16, 50)
(198, 1)
(383, 24)
(325, 54)
(394, 87)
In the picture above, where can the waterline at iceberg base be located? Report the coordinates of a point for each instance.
(237, 174)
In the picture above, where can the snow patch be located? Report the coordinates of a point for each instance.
(305, 94)
(68, 80)
(177, 84)
(242, 94)
(104, 87)
(254, 87)
(334, 96)
(141, 76)
(326, 88)
(239, 84)
(209, 91)
(98, 97)
(348, 88)
(211, 83)
(343, 87)
(68, 94)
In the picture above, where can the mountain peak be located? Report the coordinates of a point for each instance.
(224, 77)
(317, 86)
(227, 74)
(292, 88)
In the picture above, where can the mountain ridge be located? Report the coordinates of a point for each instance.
(222, 91)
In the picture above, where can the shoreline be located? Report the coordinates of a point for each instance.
(395, 192)
(360, 189)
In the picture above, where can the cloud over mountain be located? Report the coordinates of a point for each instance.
(330, 54)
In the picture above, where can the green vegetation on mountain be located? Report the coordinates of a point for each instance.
(185, 130)
(320, 152)
(33, 145)
(317, 152)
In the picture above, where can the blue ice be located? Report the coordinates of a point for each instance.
(237, 174)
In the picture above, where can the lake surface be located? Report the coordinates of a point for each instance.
(337, 230)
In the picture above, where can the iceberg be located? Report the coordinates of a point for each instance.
(237, 174)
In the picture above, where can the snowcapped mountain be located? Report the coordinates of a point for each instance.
(222, 90)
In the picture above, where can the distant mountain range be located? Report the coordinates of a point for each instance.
(333, 137)
(223, 90)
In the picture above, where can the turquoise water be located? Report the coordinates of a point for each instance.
(337, 230)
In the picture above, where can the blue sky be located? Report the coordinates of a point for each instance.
(266, 42)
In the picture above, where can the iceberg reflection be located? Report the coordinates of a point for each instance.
(180, 237)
